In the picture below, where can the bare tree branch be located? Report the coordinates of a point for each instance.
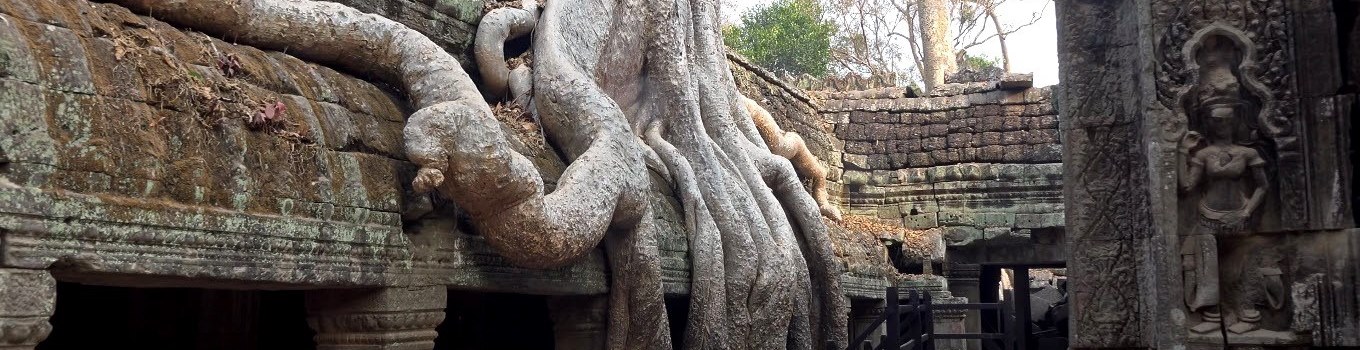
(880, 40)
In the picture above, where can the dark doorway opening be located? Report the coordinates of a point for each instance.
(1348, 49)
(912, 263)
(97, 317)
(1348, 42)
(1039, 304)
(477, 321)
(677, 314)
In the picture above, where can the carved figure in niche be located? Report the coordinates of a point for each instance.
(1223, 178)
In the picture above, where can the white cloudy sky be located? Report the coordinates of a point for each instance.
(1033, 49)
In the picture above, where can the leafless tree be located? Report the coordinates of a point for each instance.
(876, 36)
(978, 22)
(865, 47)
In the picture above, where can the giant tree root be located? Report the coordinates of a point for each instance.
(764, 276)
(790, 145)
(493, 31)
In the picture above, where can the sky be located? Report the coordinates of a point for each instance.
(1033, 49)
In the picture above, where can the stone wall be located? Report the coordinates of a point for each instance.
(864, 255)
(973, 161)
(450, 23)
(795, 111)
(1107, 236)
(129, 152)
(1177, 112)
(139, 154)
(132, 161)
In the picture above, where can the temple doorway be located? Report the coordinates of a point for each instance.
(99, 317)
(484, 321)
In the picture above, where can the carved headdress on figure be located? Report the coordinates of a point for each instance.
(1221, 86)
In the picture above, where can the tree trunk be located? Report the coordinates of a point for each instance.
(1000, 38)
(938, 54)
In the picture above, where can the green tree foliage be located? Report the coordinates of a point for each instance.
(788, 36)
(979, 62)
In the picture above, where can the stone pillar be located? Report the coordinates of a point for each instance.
(401, 318)
(579, 322)
(1106, 176)
(27, 300)
(953, 322)
(963, 282)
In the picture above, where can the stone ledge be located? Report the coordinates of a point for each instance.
(118, 139)
(1012, 81)
(873, 287)
(950, 97)
(100, 241)
(769, 77)
(470, 264)
(97, 240)
(1043, 172)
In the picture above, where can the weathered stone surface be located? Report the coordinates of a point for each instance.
(1106, 309)
(16, 59)
(1016, 81)
(130, 151)
(795, 111)
(1151, 263)
(951, 135)
(383, 319)
(60, 57)
(450, 23)
(1105, 173)
(30, 298)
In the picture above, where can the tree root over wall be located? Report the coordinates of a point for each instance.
(617, 84)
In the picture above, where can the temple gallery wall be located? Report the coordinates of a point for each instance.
(1208, 172)
(1192, 172)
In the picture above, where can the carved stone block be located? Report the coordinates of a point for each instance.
(1106, 305)
(27, 299)
(400, 318)
(1105, 172)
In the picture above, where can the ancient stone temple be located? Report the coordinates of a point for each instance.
(468, 174)
(165, 184)
(1208, 173)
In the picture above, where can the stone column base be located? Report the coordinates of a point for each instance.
(387, 319)
(28, 298)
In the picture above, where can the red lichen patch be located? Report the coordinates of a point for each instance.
(912, 240)
(861, 254)
(861, 242)
(522, 125)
